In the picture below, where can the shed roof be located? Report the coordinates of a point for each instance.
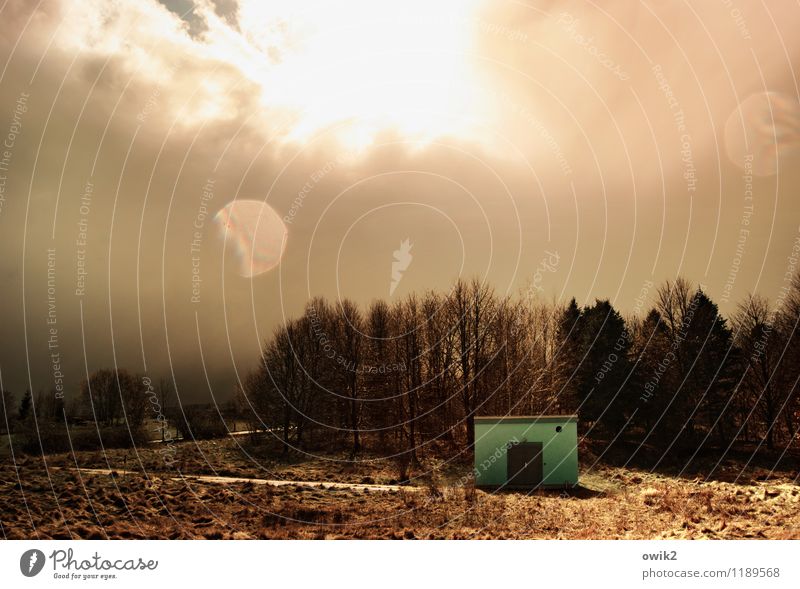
(531, 418)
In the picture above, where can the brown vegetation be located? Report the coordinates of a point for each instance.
(610, 503)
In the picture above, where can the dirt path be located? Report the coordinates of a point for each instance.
(177, 438)
(229, 480)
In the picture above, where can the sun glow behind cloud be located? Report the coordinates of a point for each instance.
(349, 69)
(364, 66)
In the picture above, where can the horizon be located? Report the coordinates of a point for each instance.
(644, 304)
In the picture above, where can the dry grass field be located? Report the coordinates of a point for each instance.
(136, 496)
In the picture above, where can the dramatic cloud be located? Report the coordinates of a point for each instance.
(490, 135)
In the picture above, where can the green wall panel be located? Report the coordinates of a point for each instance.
(493, 435)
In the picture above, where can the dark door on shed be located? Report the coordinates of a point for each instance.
(524, 465)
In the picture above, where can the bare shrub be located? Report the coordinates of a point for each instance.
(469, 494)
(200, 423)
(52, 437)
(403, 462)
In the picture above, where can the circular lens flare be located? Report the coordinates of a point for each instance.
(256, 232)
(763, 133)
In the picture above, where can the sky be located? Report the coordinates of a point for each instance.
(179, 177)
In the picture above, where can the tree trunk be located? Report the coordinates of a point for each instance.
(354, 425)
(286, 422)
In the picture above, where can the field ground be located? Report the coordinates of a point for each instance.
(134, 494)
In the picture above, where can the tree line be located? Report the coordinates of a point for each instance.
(414, 373)
(411, 375)
(112, 408)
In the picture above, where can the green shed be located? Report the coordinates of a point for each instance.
(526, 451)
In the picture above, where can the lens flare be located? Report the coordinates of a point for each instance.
(256, 232)
(763, 133)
